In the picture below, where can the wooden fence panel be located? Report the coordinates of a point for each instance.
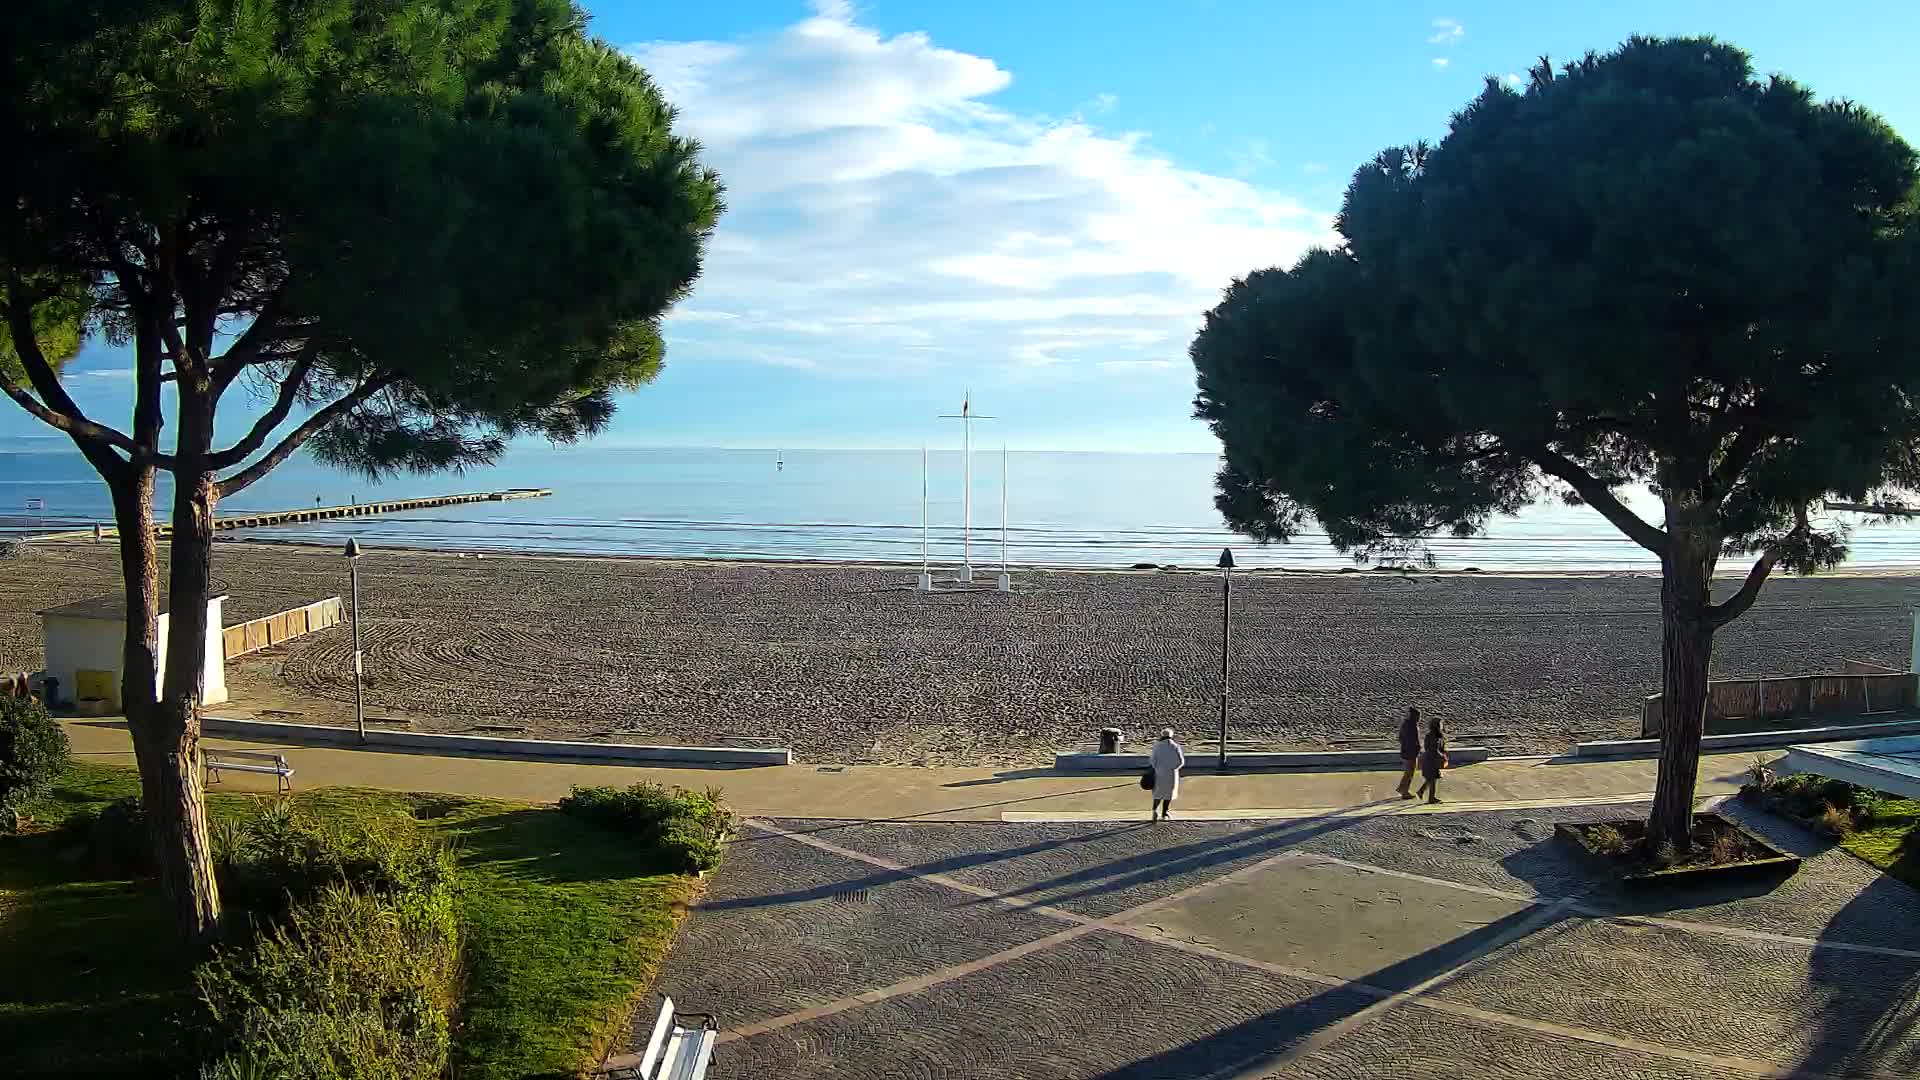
(256, 634)
(1802, 696)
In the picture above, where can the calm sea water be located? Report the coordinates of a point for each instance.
(1075, 509)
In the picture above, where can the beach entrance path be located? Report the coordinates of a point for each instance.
(1417, 945)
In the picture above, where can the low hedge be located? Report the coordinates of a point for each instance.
(684, 828)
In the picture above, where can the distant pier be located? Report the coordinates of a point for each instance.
(269, 518)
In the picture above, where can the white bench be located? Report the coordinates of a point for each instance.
(675, 1052)
(253, 761)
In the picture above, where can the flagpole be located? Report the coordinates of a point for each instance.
(926, 572)
(1005, 584)
(966, 480)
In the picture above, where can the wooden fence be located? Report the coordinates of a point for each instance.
(246, 637)
(1866, 689)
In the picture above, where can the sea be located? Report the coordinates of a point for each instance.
(1054, 508)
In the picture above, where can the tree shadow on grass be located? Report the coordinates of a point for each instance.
(542, 844)
(92, 979)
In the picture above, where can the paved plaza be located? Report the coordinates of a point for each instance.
(1366, 946)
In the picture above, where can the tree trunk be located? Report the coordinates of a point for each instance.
(187, 856)
(1686, 654)
(166, 746)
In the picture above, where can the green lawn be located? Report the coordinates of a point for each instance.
(1886, 839)
(563, 925)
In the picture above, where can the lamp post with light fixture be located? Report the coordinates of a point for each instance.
(359, 704)
(1226, 643)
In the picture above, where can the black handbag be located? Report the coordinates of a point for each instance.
(1146, 779)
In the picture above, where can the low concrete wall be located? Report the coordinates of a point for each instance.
(479, 744)
(1278, 759)
(1713, 744)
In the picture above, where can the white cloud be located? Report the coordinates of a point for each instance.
(1103, 103)
(1513, 79)
(1313, 168)
(1440, 63)
(879, 201)
(1446, 32)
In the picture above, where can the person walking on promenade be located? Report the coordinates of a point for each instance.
(1409, 750)
(1432, 760)
(1167, 759)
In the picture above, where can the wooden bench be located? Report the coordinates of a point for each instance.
(675, 1052)
(253, 761)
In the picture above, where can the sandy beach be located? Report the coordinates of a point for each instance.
(849, 664)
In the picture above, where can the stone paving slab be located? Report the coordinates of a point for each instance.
(1826, 1010)
(1095, 869)
(785, 927)
(1392, 932)
(1417, 1044)
(1103, 1005)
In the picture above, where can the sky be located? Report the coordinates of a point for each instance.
(1036, 201)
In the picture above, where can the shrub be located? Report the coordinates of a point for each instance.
(686, 828)
(1607, 840)
(1835, 822)
(354, 984)
(281, 856)
(1760, 772)
(33, 750)
(1725, 848)
(1666, 855)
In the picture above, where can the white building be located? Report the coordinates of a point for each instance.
(85, 641)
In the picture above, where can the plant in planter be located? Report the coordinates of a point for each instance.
(1719, 847)
(1832, 808)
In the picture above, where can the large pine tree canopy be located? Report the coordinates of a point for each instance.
(426, 225)
(1647, 267)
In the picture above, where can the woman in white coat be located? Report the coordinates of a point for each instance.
(1167, 759)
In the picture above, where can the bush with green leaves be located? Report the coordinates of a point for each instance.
(280, 856)
(33, 750)
(686, 828)
(353, 984)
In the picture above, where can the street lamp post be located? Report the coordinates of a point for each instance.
(359, 703)
(1226, 643)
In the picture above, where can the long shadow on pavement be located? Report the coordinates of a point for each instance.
(1268, 1042)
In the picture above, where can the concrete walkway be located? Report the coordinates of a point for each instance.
(885, 793)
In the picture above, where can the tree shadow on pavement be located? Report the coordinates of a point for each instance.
(886, 877)
(1157, 864)
(1272, 1041)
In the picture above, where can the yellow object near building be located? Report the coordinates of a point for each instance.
(97, 684)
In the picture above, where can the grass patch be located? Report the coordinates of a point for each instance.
(1886, 838)
(562, 924)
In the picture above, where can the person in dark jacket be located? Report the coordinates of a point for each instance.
(1409, 751)
(1432, 760)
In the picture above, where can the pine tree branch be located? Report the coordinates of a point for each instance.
(262, 428)
(1598, 496)
(1734, 606)
(296, 438)
(54, 407)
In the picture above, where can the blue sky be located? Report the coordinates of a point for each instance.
(1037, 200)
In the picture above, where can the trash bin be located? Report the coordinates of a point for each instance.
(1109, 740)
(50, 692)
